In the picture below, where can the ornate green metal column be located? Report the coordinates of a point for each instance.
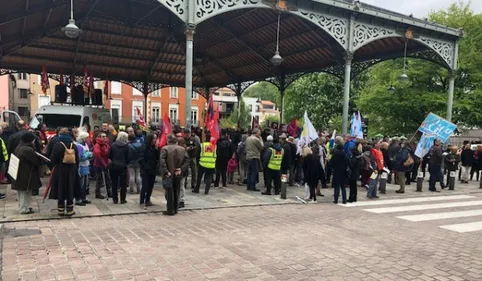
(450, 100)
(190, 30)
(346, 93)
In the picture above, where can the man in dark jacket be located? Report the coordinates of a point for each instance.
(223, 153)
(192, 148)
(173, 160)
(339, 164)
(435, 166)
(272, 159)
(119, 156)
(28, 177)
(287, 156)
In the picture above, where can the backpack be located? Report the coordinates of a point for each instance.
(69, 154)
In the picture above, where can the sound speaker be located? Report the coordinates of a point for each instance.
(61, 93)
(78, 95)
(97, 100)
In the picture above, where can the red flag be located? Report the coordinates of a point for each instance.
(86, 82)
(45, 79)
(91, 86)
(214, 127)
(292, 128)
(106, 87)
(210, 113)
(166, 130)
(140, 120)
(72, 83)
(61, 77)
(255, 123)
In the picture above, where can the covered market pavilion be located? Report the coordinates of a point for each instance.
(202, 44)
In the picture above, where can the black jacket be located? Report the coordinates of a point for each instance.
(287, 157)
(14, 141)
(467, 157)
(339, 164)
(223, 151)
(312, 169)
(149, 160)
(119, 155)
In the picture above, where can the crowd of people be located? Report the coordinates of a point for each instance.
(128, 161)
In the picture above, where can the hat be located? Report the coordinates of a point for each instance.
(28, 137)
(269, 138)
(283, 136)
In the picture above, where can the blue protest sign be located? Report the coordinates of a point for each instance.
(438, 127)
(424, 145)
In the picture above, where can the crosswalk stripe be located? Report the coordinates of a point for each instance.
(423, 207)
(439, 216)
(407, 200)
(464, 227)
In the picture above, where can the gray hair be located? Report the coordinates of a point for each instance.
(123, 137)
(82, 136)
(339, 140)
(255, 131)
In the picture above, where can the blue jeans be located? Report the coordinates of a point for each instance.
(252, 173)
(372, 187)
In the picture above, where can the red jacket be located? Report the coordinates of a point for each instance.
(379, 158)
(101, 153)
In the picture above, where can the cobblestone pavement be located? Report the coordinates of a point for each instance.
(232, 196)
(280, 242)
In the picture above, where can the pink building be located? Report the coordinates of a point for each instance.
(4, 91)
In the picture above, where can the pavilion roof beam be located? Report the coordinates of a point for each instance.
(25, 18)
(161, 51)
(47, 18)
(130, 48)
(110, 65)
(223, 25)
(74, 62)
(261, 48)
(107, 55)
(125, 29)
(242, 42)
(10, 17)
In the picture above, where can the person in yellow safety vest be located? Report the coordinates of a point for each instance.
(272, 159)
(207, 165)
(3, 159)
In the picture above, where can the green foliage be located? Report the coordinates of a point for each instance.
(321, 95)
(227, 123)
(271, 118)
(245, 117)
(402, 112)
(264, 91)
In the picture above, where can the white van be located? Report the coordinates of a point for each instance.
(71, 116)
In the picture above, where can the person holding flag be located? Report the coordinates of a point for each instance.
(207, 165)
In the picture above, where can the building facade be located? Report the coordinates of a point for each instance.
(125, 100)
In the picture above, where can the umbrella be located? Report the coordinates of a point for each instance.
(49, 184)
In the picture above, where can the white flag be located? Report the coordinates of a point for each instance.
(309, 133)
(356, 129)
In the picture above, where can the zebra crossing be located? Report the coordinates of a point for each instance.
(443, 210)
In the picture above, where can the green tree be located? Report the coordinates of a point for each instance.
(271, 118)
(402, 111)
(264, 91)
(245, 116)
(321, 95)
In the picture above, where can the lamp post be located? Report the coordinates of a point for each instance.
(276, 60)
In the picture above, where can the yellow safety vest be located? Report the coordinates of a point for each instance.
(275, 160)
(208, 155)
(4, 150)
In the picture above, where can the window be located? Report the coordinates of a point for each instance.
(155, 113)
(173, 92)
(23, 76)
(250, 107)
(23, 93)
(115, 88)
(194, 115)
(173, 113)
(194, 95)
(156, 93)
(137, 105)
(59, 120)
(23, 111)
(136, 92)
(115, 110)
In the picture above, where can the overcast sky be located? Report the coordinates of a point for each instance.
(420, 8)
